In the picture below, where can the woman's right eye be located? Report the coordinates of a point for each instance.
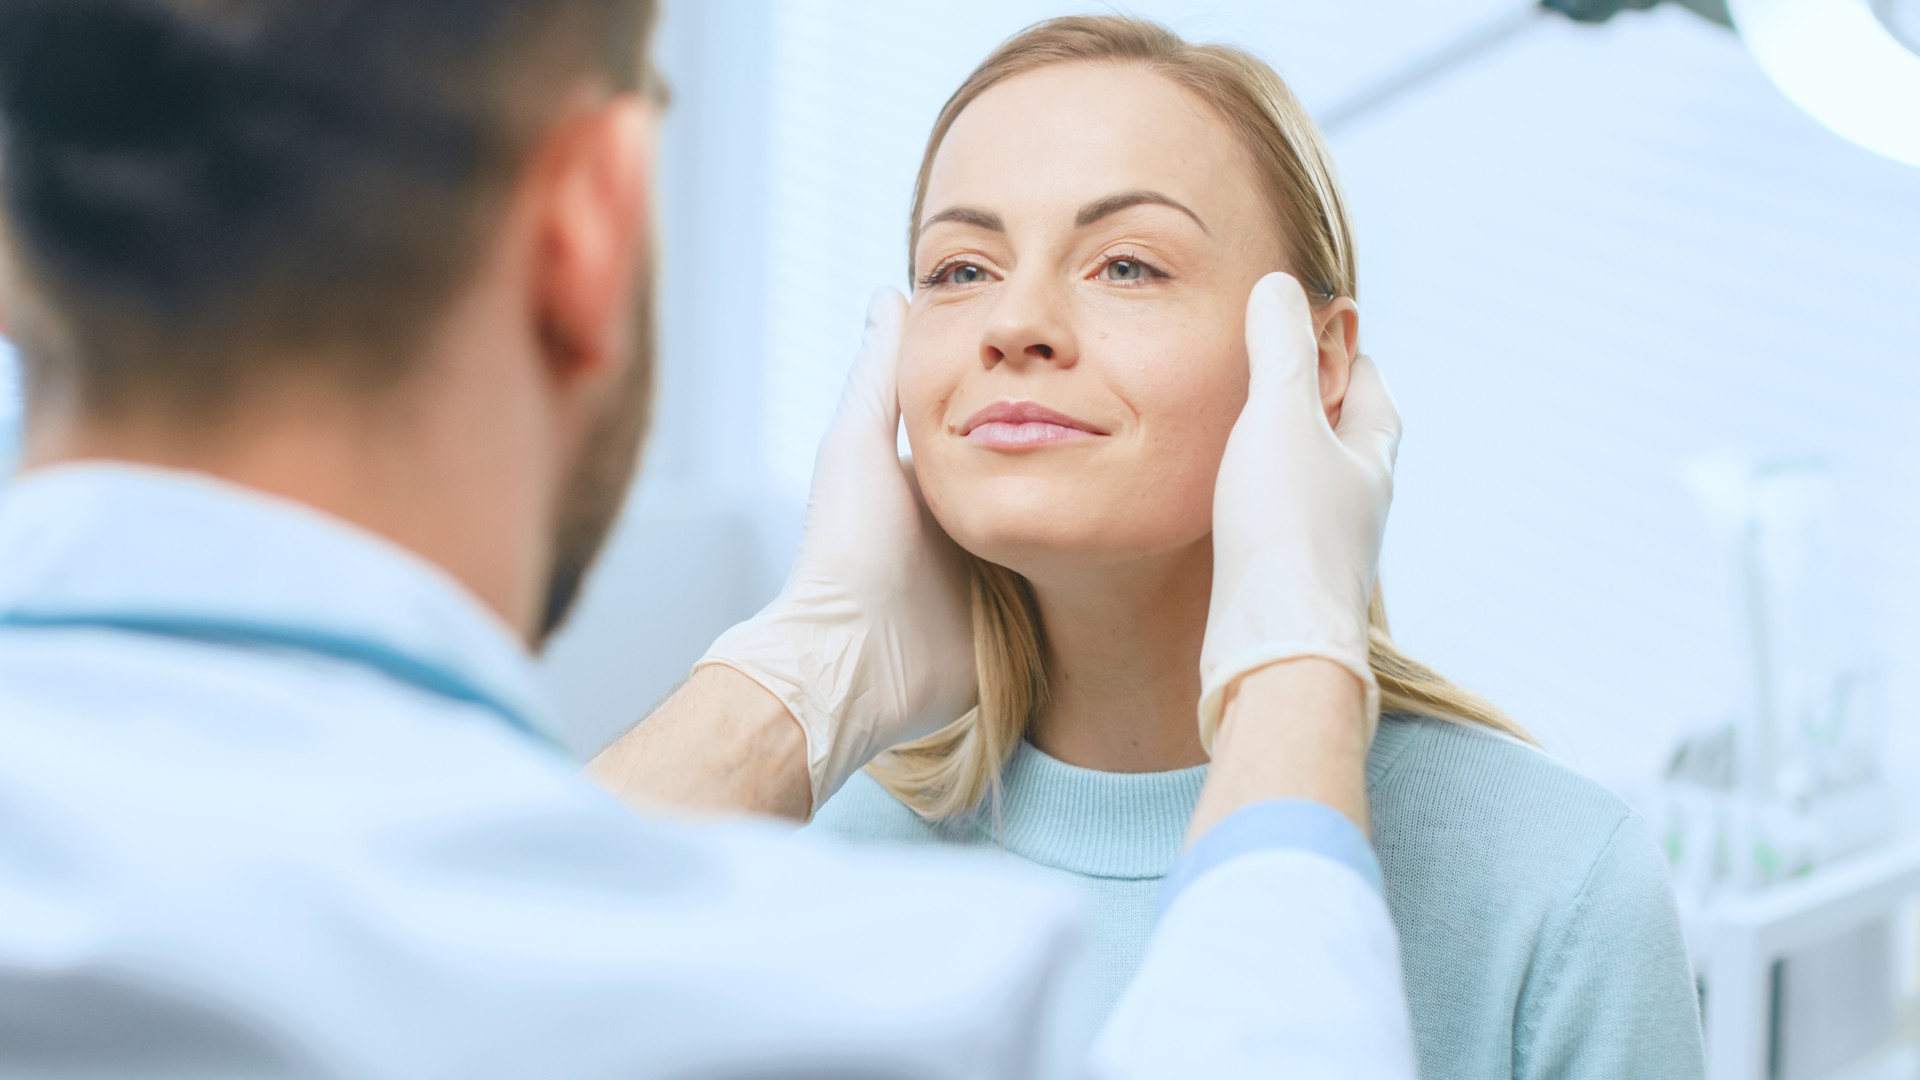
(954, 273)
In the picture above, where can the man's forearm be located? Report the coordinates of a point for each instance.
(1294, 730)
(1275, 937)
(721, 744)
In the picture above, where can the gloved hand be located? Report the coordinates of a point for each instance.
(1299, 510)
(870, 643)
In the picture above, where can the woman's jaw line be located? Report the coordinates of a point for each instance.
(1083, 566)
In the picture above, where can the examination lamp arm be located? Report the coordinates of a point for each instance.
(1598, 11)
(1474, 45)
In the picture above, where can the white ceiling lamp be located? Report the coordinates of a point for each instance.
(1853, 65)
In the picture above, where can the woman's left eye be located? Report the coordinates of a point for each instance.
(1127, 271)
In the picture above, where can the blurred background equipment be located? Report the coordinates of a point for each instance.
(1854, 65)
(1782, 823)
(1598, 11)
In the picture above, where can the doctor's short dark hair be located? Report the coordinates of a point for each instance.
(192, 191)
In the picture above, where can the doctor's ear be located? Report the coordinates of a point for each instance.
(1336, 330)
(592, 233)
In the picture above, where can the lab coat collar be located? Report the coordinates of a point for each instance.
(178, 552)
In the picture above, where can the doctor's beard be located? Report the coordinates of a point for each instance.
(598, 488)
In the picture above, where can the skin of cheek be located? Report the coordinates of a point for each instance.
(1185, 376)
(1168, 373)
(933, 356)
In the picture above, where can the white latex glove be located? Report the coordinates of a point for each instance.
(870, 643)
(1299, 510)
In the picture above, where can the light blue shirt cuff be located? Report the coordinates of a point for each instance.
(1276, 825)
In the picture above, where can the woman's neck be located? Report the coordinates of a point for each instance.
(1123, 663)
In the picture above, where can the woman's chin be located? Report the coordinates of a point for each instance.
(1045, 550)
(1039, 528)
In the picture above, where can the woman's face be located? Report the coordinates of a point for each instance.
(1075, 354)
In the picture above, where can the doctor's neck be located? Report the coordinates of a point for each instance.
(454, 462)
(1123, 662)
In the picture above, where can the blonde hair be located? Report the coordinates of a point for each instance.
(950, 772)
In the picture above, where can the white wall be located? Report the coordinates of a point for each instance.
(1586, 260)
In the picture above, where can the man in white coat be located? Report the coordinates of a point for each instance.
(335, 322)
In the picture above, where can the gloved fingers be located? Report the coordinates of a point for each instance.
(939, 545)
(1282, 356)
(870, 404)
(1369, 422)
(912, 478)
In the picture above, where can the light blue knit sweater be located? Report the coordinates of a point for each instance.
(1536, 920)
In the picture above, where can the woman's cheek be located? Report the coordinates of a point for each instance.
(925, 373)
(926, 385)
(1188, 403)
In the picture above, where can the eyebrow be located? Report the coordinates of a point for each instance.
(1113, 204)
(967, 215)
(1090, 213)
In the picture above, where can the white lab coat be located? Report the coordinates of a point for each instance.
(274, 800)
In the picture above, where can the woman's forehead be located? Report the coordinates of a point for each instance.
(1035, 148)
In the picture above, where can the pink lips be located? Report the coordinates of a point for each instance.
(1020, 425)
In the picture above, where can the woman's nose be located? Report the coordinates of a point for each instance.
(1030, 323)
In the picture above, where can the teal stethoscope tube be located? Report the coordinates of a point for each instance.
(394, 664)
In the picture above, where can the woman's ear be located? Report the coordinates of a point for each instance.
(1337, 332)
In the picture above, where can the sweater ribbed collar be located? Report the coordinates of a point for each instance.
(1117, 825)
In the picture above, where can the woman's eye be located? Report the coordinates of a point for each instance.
(958, 273)
(1126, 270)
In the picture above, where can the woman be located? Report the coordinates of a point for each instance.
(1094, 206)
